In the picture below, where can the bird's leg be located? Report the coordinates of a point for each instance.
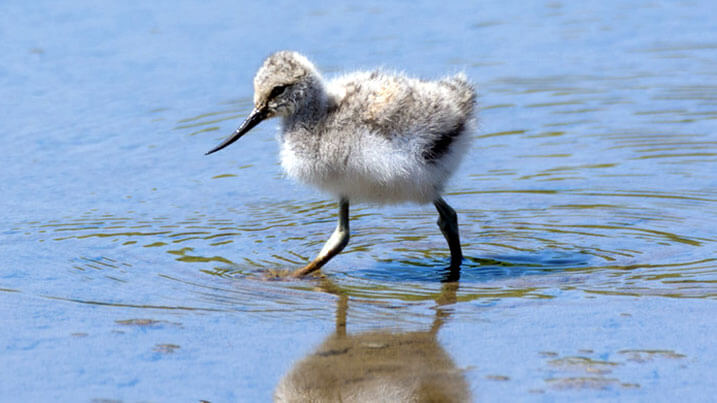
(448, 223)
(336, 243)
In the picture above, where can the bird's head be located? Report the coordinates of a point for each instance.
(286, 82)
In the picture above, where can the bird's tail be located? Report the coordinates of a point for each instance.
(464, 89)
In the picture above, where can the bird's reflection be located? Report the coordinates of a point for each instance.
(377, 365)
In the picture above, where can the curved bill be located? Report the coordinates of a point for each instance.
(256, 116)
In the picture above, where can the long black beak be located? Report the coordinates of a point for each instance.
(256, 116)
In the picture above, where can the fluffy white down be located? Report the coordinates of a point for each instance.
(379, 170)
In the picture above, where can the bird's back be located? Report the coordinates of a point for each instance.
(394, 105)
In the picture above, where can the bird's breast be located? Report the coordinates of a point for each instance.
(361, 165)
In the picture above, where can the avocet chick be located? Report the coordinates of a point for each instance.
(366, 137)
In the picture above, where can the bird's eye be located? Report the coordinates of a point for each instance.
(276, 91)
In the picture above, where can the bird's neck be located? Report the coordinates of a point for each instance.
(312, 110)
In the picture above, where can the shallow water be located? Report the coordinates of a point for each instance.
(133, 267)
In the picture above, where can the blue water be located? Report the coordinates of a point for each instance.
(134, 268)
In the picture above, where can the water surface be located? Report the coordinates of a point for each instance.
(133, 267)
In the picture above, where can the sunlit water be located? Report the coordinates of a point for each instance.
(133, 267)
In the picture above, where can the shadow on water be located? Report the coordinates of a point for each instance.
(378, 365)
(473, 269)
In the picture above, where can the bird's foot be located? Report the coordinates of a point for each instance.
(288, 275)
(452, 273)
(276, 274)
(310, 268)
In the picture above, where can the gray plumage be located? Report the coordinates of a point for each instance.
(367, 136)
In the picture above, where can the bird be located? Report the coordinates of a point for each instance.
(376, 136)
